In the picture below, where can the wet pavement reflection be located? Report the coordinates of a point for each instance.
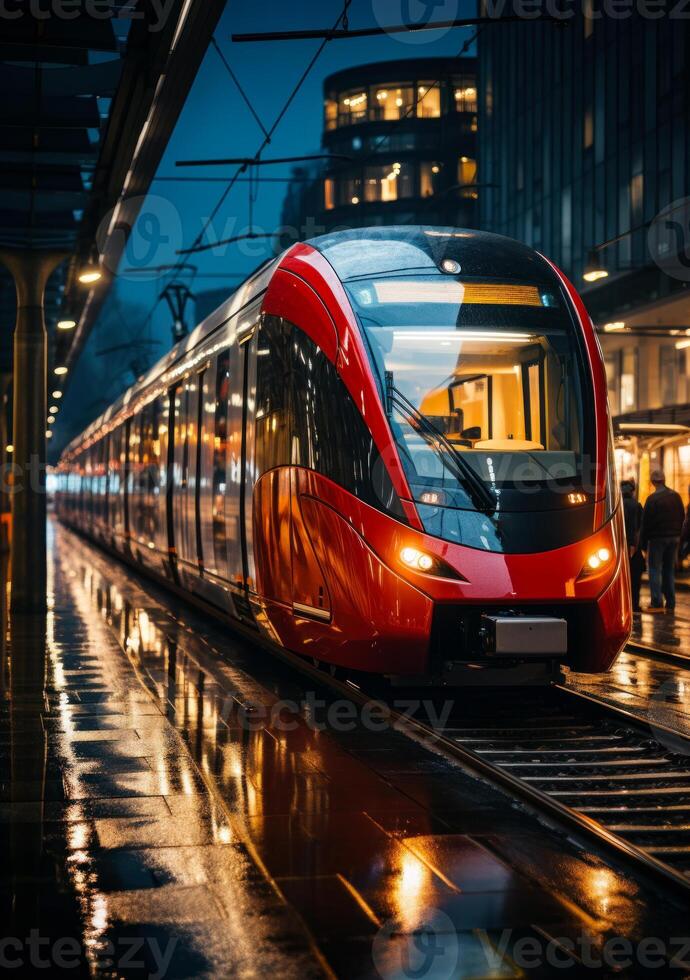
(194, 799)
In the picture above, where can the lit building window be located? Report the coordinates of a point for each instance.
(588, 134)
(467, 175)
(347, 190)
(330, 112)
(391, 101)
(465, 95)
(387, 182)
(352, 108)
(328, 194)
(429, 178)
(428, 100)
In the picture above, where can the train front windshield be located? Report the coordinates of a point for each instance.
(486, 393)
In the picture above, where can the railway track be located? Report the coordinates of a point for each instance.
(591, 765)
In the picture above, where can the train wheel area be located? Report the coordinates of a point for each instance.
(164, 779)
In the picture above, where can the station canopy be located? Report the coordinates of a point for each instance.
(91, 94)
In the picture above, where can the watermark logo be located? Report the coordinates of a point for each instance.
(146, 248)
(432, 950)
(668, 239)
(415, 13)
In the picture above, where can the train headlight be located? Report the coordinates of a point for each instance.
(416, 559)
(596, 562)
(420, 561)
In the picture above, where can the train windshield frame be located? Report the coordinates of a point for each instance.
(486, 390)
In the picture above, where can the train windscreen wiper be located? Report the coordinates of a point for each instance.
(482, 496)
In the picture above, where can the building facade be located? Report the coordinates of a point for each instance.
(402, 140)
(584, 153)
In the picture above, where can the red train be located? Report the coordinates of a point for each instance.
(389, 451)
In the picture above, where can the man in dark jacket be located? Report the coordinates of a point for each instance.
(662, 522)
(632, 512)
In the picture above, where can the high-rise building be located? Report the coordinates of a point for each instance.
(402, 137)
(584, 153)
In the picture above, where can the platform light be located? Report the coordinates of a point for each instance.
(57, 394)
(66, 324)
(54, 409)
(91, 272)
(9, 449)
(51, 419)
(49, 434)
(593, 268)
(60, 370)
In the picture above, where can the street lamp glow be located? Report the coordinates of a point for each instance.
(593, 267)
(66, 324)
(60, 370)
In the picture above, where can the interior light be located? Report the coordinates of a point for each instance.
(66, 324)
(682, 344)
(614, 326)
(355, 200)
(60, 370)
(433, 497)
(10, 448)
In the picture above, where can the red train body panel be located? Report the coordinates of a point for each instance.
(389, 451)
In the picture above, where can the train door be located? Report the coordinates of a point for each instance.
(185, 444)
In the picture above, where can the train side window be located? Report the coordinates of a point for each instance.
(134, 475)
(220, 459)
(329, 434)
(150, 466)
(274, 356)
(115, 483)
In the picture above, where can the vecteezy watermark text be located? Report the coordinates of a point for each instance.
(156, 14)
(437, 949)
(149, 957)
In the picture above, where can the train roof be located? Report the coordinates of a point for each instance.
(367, 252)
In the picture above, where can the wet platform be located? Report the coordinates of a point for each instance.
(654, 688)
(176, 802)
